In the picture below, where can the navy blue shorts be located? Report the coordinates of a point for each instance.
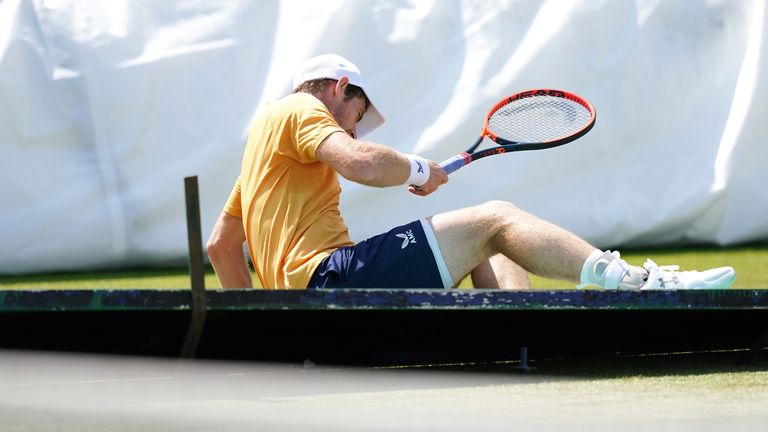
(405, 257)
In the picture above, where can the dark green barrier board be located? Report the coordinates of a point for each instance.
(384, 326)
(379, 299)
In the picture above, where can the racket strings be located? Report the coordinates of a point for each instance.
(539, 119)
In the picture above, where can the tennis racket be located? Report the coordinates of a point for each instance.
(530, 120)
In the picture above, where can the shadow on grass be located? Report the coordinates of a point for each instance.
(616, 367)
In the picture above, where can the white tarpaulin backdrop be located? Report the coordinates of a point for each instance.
(107, 106)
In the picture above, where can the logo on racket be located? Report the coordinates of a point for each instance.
(408, 238)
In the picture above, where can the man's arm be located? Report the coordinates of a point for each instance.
(225, 250)
(373, 164)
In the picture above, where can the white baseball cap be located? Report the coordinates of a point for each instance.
(334, 67)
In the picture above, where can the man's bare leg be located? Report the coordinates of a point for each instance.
(470, 236)
(499, 271)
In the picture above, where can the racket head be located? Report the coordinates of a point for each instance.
(539, 118)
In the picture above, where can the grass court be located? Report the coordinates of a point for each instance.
(681, 391)
(750, 262)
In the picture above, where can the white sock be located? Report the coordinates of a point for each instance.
(607, 270)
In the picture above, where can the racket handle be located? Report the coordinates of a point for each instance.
(452, 164)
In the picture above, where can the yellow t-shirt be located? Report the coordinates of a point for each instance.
(289, 201)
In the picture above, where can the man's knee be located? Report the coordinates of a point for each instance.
(498, 210)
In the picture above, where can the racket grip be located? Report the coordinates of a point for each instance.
(452, 164)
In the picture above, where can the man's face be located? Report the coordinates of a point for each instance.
(348, 113)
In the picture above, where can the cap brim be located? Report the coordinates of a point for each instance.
(370, 121)
(333, 66)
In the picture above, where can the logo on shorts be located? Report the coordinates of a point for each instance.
(408, 238)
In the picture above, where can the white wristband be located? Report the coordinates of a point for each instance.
(419, 170)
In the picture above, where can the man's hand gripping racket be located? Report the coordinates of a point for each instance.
(530, 120)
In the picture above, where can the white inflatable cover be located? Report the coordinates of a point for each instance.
(107, 106)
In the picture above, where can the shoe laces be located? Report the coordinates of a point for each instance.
(662, 277)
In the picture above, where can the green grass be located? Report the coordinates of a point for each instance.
(113, 279)
(670, 392)
(750, 262)
(680, 391)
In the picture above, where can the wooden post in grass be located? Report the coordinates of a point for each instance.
(196, 270)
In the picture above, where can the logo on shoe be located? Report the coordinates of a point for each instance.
(408, 238)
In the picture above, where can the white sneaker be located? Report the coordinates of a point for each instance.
(608, 271)
(668, 277)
